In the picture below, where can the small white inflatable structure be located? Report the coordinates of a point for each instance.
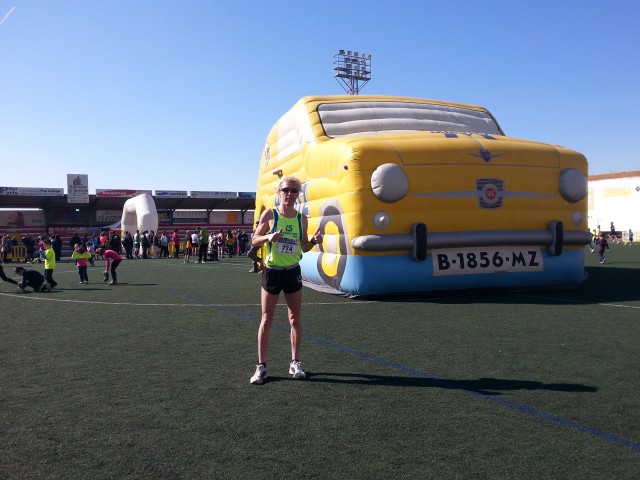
(139, 213)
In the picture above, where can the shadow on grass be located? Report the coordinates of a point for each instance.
(604, 284)
(94, 288)
(485, 386)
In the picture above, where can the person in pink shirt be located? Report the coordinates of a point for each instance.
(112, 260)
(81, 256)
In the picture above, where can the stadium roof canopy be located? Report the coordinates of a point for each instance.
(117, 203)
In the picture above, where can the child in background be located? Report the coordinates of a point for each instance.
(92, 251)
(49, 263)
(602, 246)
(39, 255)
(81, 256)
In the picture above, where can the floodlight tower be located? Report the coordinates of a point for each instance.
(352, 70)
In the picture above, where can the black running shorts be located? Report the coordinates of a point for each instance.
(276, 281)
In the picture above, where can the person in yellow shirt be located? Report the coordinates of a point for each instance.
(49, 263)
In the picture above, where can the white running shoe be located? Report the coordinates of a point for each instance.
(295, 369)
(260, 376)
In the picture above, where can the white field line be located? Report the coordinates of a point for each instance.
(582, 302)
(31, 296)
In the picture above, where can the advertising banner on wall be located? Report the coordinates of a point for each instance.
(108, 216)
(222, 195)
(77, 188)
(164, 217)
(247, 195)
(100, 192)
(18, 219)
(190, 216)
(171, 194)
(32, 192)
(71, 217)
(221, 217)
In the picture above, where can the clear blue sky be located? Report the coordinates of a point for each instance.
(155, 94)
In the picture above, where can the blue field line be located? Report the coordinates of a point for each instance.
(439, 381)
(490, 398)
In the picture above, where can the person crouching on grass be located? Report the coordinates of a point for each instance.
(112, 260)
(33, 279)
(284, 231)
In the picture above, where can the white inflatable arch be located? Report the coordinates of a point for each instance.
(139, 213)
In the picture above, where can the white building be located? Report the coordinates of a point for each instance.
(615, 197)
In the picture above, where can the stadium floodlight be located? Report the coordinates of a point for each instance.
(352, 70)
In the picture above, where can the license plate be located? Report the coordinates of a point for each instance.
(486, 260)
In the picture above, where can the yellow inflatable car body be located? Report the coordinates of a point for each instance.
(416, 195)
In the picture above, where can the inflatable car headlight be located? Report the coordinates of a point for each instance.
(573, 185)
(389, 182)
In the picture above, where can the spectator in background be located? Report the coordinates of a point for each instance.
(153, 245)
(164, 245)
(195, 243)
(203, 244)
(95, 241)
(212, 251)
(243, 240)
(144, 241)
(5, 247)
(29, 244)
(230, 241)
(253, 255)
(116, 244)
(39, 255)
(176, 243)
(188, 248)
(602, 246)
(127, 243)
(157, 245)
(75, 240)
(56, 244)
(220, 244)
(136, 244)
(92, 251)
(614, 238)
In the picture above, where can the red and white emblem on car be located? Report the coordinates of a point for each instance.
(490, 192)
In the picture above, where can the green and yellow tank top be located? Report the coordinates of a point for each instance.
(287, 251)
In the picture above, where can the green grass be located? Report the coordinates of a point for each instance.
(150, 380)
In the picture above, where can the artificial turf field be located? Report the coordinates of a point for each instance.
(149, 379)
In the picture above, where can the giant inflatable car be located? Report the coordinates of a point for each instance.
(417, 195)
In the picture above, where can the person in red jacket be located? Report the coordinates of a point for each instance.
(112, 259)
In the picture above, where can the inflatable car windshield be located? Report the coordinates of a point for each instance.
(418, 195)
